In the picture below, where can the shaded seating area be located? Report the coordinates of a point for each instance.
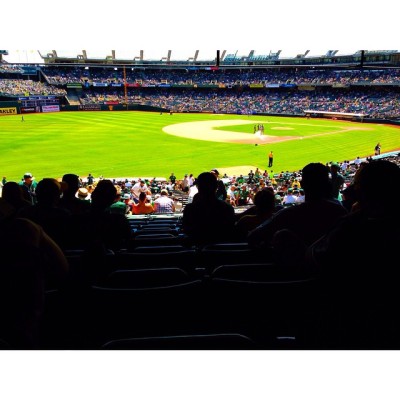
(150, 302)
(163, 291)
(225, 296)
(264, 301)
(178, 298)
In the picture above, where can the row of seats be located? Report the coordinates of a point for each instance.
(258, 301)
(183, 299)
(172, 296)
(193, 260)
(152, 231)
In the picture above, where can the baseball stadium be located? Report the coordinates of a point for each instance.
(301, 156)
(195, 115)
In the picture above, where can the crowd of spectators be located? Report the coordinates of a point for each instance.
(240, 190)
(40, 223)
(384, 103)
(223, 76)
(20, 87)
(7, 68)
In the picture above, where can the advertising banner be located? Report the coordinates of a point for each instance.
(256, 85)
(306, 87)
(38, 98)
(29, 70)
(339, 85)
(90, 107)
(183, 85)
(205, 85)
(26, 110)
(50, 108)
(74, 86)
(8, 111)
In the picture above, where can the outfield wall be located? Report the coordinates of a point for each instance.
(14, 107)
(112, 107)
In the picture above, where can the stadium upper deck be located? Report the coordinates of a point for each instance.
(361, 57)
(332, 58)
(369, 84)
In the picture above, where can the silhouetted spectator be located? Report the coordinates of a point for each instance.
(104, 228)
(292, 229)
(357, 261)
(13, 196)
(47, 212)
(30, 262)
(337, 180)
(70, 186)
(221, 192)
(208, 219)
(264, 207)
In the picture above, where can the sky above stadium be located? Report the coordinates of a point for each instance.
(186, 26)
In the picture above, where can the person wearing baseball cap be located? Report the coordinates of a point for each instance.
(337, 180)
(221, 192)
(29, 185)
(73, 194)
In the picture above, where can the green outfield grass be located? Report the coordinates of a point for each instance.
(133, 144)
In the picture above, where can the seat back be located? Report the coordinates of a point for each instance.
(165, 239)
(157, 231)
(228, 341)
(156, 301)
(263, 301)
(147, 279)
(159, 257)
(167, 248)
(214, 255)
